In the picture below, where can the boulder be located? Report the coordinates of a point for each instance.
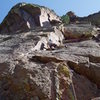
(24, 16)
(78, 32)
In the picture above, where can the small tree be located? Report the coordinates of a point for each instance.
(65, 19)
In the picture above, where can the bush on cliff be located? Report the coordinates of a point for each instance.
(65, 19)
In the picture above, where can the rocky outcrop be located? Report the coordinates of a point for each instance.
(67, 73)
(78, 32)
(48, 63)
(51, 40)
(25, 16)
(93, 19)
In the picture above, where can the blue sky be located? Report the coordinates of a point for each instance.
(80, 7)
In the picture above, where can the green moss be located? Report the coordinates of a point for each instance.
(33, 5)
(88, 34)
(63, 69)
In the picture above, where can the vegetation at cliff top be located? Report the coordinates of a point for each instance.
(65, 19)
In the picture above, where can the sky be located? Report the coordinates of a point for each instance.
(61, 7)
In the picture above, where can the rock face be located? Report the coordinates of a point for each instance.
(79, 32)
(66, 73)
(50, 40)
(25, 16)
(38, 64)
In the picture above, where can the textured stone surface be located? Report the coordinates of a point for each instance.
(78, 32)
(45, 74)
(25, 16)
(50, 40)
(40, 65)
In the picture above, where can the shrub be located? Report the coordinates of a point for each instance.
(65, 19)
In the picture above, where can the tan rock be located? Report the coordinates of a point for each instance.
(25, 16)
